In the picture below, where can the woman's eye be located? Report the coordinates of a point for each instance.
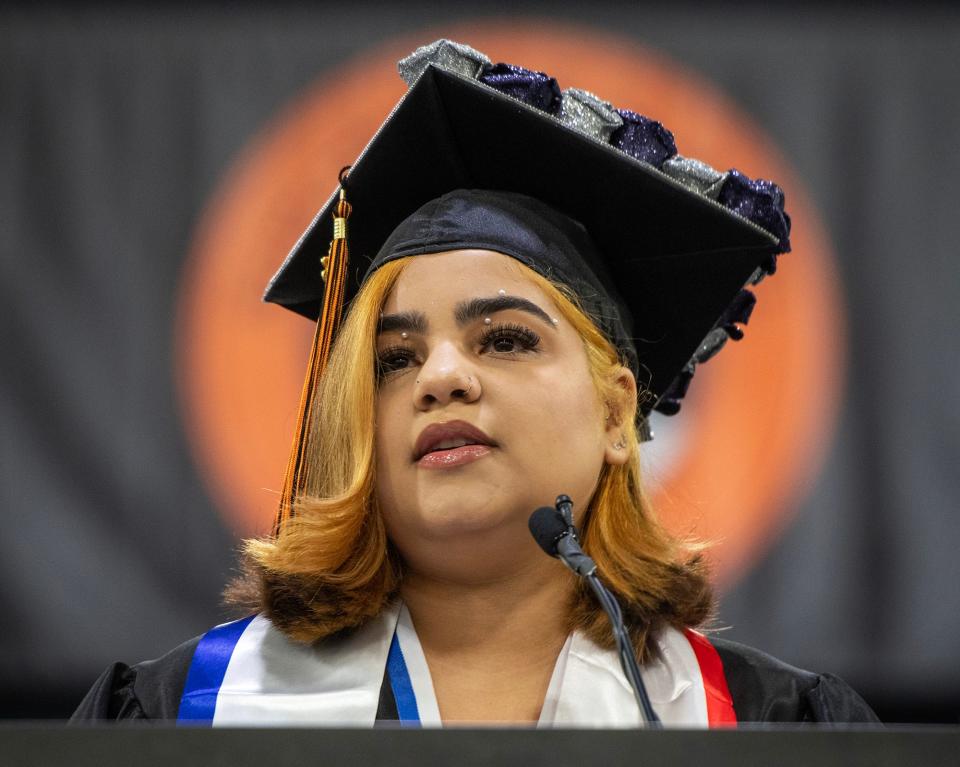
(393, 359)
(509, 339)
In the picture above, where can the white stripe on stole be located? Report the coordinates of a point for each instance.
(589, 689)
(271, 681)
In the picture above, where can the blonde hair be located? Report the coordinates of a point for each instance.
(332, 566)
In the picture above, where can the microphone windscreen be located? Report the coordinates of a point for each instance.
(546, 527)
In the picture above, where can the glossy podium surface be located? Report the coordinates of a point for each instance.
(106, 745)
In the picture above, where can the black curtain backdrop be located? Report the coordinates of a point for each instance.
(118, 122)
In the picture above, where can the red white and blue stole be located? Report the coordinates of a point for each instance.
(248, 673)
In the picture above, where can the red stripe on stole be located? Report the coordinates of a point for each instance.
(720, 711)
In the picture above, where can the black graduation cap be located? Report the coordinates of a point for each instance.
(677, 239)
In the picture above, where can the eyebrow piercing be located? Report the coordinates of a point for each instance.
(487, 320)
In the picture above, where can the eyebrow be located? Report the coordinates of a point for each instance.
(464, 313)
(412, 321)
(468, 311)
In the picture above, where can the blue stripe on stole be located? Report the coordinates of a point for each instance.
(402, 686)
(207, 669)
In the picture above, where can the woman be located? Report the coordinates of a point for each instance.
(547, 271)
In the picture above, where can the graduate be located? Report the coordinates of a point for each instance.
(518, 276)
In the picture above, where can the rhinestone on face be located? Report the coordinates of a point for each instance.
(501, 292)
(404, 334)
(487, 320)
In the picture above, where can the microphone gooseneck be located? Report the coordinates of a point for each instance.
(565, 507)
(554, 532)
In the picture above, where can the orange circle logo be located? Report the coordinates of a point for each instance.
(729, 468)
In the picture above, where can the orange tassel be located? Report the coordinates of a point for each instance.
(334, 275)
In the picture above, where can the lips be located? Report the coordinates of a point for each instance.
(452, 435)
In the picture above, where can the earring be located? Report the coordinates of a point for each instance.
(619, 445)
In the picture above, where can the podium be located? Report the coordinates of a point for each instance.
(26, 745)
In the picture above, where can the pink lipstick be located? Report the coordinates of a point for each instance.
(454, 443)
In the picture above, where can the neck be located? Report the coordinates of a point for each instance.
(532, 600)
(484, 641)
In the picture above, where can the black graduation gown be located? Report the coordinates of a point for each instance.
(763, 689)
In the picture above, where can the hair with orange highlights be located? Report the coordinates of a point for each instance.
(332, 567)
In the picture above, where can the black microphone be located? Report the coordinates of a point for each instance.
(558, 539)
(553, 530)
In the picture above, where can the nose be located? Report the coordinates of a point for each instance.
(446, 376)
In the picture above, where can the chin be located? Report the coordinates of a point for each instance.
(462, 516)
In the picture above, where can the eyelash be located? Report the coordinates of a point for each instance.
(524, 337)
(383, 369)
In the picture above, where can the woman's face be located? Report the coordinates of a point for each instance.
(486, 407)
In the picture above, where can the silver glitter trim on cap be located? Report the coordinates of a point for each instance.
(446, 54)
(589, 114)
(695, 175)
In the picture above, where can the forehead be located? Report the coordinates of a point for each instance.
(439, 280)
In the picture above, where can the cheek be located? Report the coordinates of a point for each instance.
(390, 443)
(561, 417)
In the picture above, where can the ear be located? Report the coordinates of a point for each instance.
(615, 430)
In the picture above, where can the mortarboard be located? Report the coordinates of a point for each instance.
(658, 247)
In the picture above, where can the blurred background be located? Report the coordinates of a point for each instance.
(158, 160)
